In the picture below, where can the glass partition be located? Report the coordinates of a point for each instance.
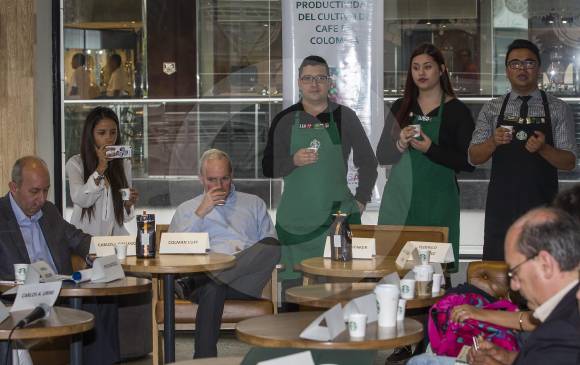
(204, 74)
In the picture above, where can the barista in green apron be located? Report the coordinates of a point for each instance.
(420, 192)
(312, 193)
(309, 145)
(422, 189)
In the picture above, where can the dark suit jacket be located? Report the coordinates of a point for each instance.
(62, 238)
(557, 340)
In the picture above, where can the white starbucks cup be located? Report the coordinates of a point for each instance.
(401, 310)
(437, 280)
(121, 251)
(407, 288)
(357, 324)
(424, 279)
(424, 255)
(20, 271)
(387, 302)
(417, 128)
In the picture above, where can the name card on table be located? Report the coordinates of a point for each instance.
(408, 257)
(105, 245)
(302, 358)
(4, 313)
(41, 272)
(184, 242)
(29, 296)
(367, 304)
(334, 325)
(107, 269)
(362, 248)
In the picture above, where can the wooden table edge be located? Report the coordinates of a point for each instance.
(353, 345)
(356, 274)
(136, 268)
(33, 333)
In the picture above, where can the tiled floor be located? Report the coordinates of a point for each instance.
(227, 346)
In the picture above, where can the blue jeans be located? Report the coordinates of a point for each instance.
(430, 359)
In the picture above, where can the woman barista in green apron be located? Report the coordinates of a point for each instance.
(308, 145)
(422, 188)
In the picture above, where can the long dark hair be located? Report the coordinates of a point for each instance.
(411, 90)
(115, 172)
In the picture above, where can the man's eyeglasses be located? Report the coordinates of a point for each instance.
(522, 65)
(310, 79)
(514, 270)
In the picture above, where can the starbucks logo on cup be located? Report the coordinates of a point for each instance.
(352, 326)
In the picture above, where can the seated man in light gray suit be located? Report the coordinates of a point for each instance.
(33, 229)
(237, 223)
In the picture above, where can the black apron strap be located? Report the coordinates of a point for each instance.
(502, 110)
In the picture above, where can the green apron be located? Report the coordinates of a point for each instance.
(420, 192)
(312, 193)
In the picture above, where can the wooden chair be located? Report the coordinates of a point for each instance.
(489, 276)
(391, 239)
(185, 311)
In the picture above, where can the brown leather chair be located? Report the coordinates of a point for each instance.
(185, 311)
(489, 276)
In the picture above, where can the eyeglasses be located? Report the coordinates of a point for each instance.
(514, 271)
(522, 65)
(310, 79)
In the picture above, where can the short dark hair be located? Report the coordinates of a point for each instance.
(558, 235)
(80, 58)
(313, 61)
(116, 58)
(523, 43)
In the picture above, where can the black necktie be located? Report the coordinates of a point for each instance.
(524, 106)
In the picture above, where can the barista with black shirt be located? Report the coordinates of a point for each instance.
(529, 135)
(309, 145)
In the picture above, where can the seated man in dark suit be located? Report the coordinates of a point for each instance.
(542, 251)
(237, 223)
(32, 229)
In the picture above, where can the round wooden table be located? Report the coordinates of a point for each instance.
(167, 266)
(76, 292)
(328, 295)
(60, 322)
(376, 267)
(283, 330)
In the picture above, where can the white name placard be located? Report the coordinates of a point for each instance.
(106, 269)
(29, 296)
(441, 252)
(105, 245)
(334, 325)
(4, 313)
(184, 242)
(362, 248)
(40, 272)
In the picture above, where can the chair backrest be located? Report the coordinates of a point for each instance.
(391, 239)
(159, 230)
(489, 276)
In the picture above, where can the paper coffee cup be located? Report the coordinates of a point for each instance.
(357, 323)
(417, 128)
(125, 193)
(407, 287)
(401, 309)
(121, 251)
(510, 127)
(20, 271)
(437, 279)
(423, 272)
(387, 302)
(424, 255)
